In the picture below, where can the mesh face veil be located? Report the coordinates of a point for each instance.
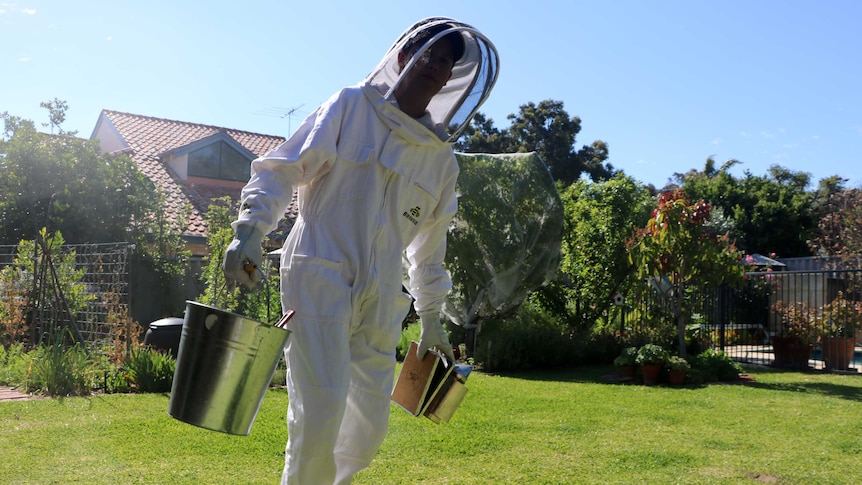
(473, 75)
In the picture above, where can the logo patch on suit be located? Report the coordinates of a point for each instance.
(413, 215)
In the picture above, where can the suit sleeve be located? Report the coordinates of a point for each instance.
(305, 156)
(429, 282)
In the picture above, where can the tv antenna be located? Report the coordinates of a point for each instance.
(282, 113)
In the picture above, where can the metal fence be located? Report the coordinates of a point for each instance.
(792, 319)
(83, 288)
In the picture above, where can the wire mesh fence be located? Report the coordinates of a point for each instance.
(789, 319)
(82, 289)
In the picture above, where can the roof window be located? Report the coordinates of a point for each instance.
(219, 161)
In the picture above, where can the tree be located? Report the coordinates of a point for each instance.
(677, 252)
(771, 214)
(56, 115)
(67, 184)
(600, 217)
(839, 230)
(480, 136)
(263, 303)
(548, 130)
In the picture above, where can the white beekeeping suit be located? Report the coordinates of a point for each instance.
(374, 183)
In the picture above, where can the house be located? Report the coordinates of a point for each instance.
(190, 163)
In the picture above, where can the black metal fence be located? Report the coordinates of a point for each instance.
(808, 319)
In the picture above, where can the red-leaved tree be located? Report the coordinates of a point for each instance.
(679, 251)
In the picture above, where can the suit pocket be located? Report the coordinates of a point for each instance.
(351, 172)
(316, 288)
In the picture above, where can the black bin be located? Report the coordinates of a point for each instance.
(165, 335)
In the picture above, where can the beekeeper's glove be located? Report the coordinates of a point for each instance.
(433, 335)
(243, 256)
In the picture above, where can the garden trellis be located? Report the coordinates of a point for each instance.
(80, 287)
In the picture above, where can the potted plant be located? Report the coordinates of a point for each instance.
(677, 369)
(839, 320)
(651, 359)
(797, 332)
(627, 362)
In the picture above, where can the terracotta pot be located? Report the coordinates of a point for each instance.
(791, 353)
(676, 377)
(838, 352)
(651, 374)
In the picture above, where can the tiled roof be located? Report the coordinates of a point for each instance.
(148, 137)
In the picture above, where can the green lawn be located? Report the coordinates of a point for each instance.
(537, 428)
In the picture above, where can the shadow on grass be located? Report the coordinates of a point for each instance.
(836, 390)
(599, 375)
(586, 374)
(851, 393)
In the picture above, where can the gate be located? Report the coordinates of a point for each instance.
(753, 322)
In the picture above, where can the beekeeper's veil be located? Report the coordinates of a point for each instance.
(473, 75)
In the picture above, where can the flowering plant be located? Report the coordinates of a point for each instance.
(651, 354)
(755, 292)
(761, 266)
(675, 362)
(798, 320)
(840, 317)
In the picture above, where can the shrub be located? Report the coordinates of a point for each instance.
(279, 377)
(149, 370)
(697, 338)
(409, 334)
(14, 363)
(714, 366)
(115, 380)
(529, 340)
(60, 371)
(594, 347)
(109, 377)
(627, 357)
(648, 328)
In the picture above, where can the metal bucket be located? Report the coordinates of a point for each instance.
(224, 366)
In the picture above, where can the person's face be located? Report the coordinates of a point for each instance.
(431, 71)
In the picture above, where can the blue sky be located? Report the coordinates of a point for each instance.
(665, 83)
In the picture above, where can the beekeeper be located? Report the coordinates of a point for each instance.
(375, 177)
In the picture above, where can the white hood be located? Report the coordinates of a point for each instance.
(473, 76)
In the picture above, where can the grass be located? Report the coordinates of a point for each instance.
(537, 428)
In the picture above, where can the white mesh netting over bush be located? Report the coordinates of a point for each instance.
(505, 239)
